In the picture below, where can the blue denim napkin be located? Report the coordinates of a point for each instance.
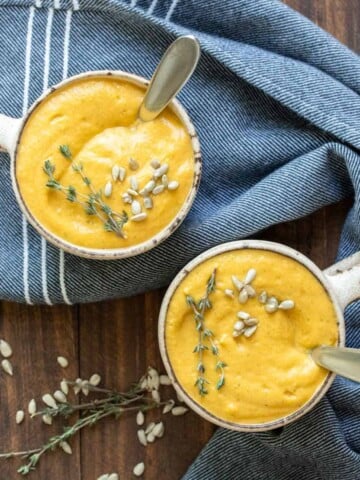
(276, 103)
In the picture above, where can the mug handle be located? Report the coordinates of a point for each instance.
(9, 131)
(344, 277)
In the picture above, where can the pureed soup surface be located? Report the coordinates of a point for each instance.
(270, 374)
(96, 119)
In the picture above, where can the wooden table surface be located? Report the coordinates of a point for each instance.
(118, 339)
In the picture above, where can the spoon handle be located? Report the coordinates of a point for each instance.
(343, 361)
(173, 71)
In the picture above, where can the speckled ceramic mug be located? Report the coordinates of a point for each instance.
(10, 137)
(342, 283)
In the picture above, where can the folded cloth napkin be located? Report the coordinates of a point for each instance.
(276, 103)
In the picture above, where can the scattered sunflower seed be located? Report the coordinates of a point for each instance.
(239, 325)
(126, 197)
(263, 297)
(132, 192)
(32, 406)
(287, 305)
(142, 437)
(134, 184)
(243, 296)
(108, 189)
(250, 322)
(154, 381)
(250, 291)
(173, 185)
(237, 333)
(135, 207)
(148, 203)
(144, 384)
(179, 410)
(164, 380)
(95, 379)
(133, 164)
(229, 293)
(238, 284)
(250, 331)
(159, 172)
(149, 187)
(158, 430)
(272, 305)
(115, 172)
(5, 349)
(168, 407)
(64, 387)
(122, 174)
(140, 418)
(77, 386)
(62, 361)
(49, 400)
(180, 397)
(47, 419)
(85, 388)
(60, 396)
(105, 476)
(156, 396)
(65, 447)
(7, 367)
(139, 217)
(165, 180)
(139, 469)
(150, 438)
(250, 276)
(159, 189)
(155, 163)
(149, 428)
(19, 417)
(113, 476)
(243, 315)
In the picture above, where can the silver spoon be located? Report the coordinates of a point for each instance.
(343, 361)
(174, 70)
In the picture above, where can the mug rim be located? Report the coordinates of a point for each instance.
(121, 252)
(213, 252)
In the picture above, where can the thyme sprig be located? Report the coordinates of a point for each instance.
(206, 338)
(92, 203)
(113, 404)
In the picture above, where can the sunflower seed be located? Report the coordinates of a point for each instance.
(105, 476)
(150, 438)
(140, 418)
(139, 217)
(5, 349)
(134, 184)
(272, 305)
(7, 367)
(156, 396)
(250, 291)
(95, 379)
(144, 384)
(237, 333)
(159, 189)
(180, 397)
(154, 377)
(108, 189)
(64, 387)
(126, 197)
(168, 407)
(142, 437)
(19, 417)
(122, 174)
(173, 185)
(165, 180)
(62, 361)
(139, 469)
(239, 325)
(250, 276)
(32, 406)
(149, 187)
(179, 410)
(229, 293)
(65, 447)
(47, 419)
(60, 396)
(250, 331)
(164, 380)
(250, 322)
(85, 390)
(149, 428)
(113, 476)
(133, 164)
(287, 305)
(115, 172)
(49, 400)
(77, 386)
(155, 163)
(132, 192)
(158, 430)
(236, 282)
(148, 203)
(263, 297)
(243, 315)
(135, 207)
(243, 297)
(159, 172)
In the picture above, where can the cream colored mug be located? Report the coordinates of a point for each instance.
(342, 283)
(10, 138)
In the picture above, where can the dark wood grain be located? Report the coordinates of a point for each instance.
(118, 339)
